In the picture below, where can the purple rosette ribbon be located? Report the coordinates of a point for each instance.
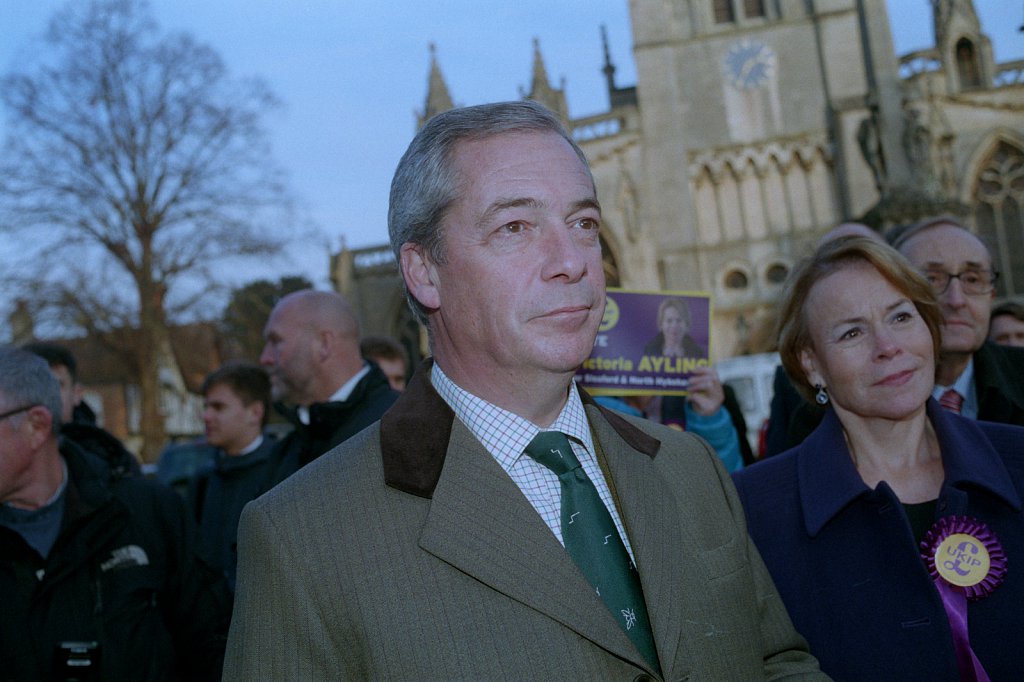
(967, 563)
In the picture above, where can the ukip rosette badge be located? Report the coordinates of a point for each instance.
(965, 553)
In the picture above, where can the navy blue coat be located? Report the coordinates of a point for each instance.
(847, 566)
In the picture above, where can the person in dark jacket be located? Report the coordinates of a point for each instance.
(319, 378)
(792, 418)
(1006, 326)
(98, 573)
(78, 421)
(236, 404)
(390, 356)
(869, 526)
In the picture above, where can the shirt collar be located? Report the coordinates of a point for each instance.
(964, 385)
(504, 434)
(829, 480)
(338, 396)
(251, 447)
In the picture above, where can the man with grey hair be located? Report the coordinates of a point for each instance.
(318, 377)
(974, 376)
(98, 572)
(497, 523)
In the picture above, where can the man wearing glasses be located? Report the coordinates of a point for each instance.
(97, 571)
(974, 377)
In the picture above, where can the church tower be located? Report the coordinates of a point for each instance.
(964, 51)
(755, 126)
(438, 97)
(541, 89)
(754, 117)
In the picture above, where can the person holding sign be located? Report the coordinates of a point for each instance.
(894, 531)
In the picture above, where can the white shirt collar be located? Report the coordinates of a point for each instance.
(251, 447)
(338, 396)
(505, 434)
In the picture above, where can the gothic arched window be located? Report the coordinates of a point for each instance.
(723, 11)
(753, 8)
(967, 65)
(999, 215)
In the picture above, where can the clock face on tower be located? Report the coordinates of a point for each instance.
(749, 64)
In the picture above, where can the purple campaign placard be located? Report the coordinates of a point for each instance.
(649, 343)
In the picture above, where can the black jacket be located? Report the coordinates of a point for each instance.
(216, 496)
(122, 573)
(330, 424)
(98, 441)
(999, 382)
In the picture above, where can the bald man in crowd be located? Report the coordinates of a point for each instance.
(975, 377)
(319, 380)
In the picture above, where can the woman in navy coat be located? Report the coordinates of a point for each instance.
(894, 532)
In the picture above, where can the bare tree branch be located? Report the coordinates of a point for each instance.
(135, 149)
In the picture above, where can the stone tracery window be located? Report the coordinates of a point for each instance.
(999, 215)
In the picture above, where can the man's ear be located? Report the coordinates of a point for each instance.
(256, 410)
(420, 275)
(40, 423)
(323, 342)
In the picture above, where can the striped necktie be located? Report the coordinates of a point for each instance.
(952, 401)
(593, 542)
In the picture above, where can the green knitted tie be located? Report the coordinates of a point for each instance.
(593, 542)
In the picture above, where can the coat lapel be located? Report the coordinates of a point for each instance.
(480, 523)
(645, 504)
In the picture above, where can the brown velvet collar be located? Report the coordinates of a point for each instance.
(414, 435)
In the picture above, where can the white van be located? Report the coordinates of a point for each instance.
(751, 377)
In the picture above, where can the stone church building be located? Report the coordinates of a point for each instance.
(754, 127)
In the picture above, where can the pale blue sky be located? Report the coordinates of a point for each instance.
(352, 75)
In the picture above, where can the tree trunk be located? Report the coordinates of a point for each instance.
(153, 340)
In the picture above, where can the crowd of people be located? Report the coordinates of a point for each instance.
(492, 520)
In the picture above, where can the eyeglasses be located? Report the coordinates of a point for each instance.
(11, 413)
(973, 282)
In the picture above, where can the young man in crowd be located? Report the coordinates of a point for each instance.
(77, 420)
(236, 405)
(389, 356)
(1007, 324)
